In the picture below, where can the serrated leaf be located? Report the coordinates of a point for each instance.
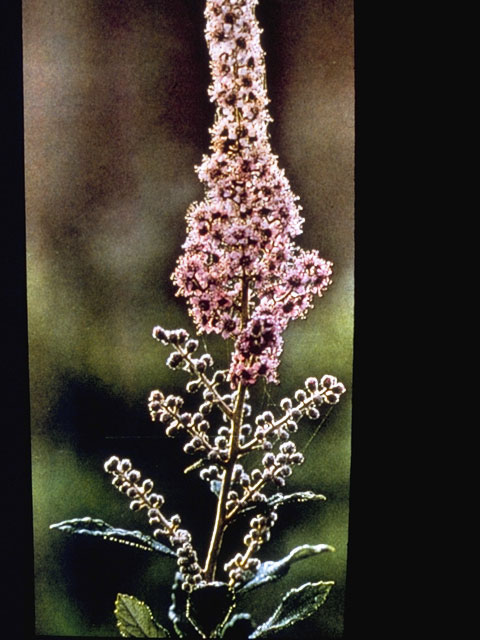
(135, 619)
(209, 607)
(96, 527)
(177, 611)
(296, 605)
(239, 627)
(279, 499)
(270, 571)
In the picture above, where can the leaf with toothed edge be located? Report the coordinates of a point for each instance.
(238, 628)
(135, 619)
(279, 500)
(209, 607)
(296, 605)
(270, 571)
(96, 527)
(177, 611)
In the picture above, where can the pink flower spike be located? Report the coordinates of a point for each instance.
(241, 273)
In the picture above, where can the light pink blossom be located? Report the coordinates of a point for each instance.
(240, 271)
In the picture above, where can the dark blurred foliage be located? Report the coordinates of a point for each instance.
(116, 117)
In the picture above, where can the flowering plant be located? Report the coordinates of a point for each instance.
(244, 278)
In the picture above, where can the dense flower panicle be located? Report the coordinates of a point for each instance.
(240, 271)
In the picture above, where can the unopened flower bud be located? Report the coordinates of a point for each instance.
(331, 398)
(328, 381)
(156, 500)
(286, 404)
(292, 426)
(174, 360)
(297, 458)
(111, 464)
(268, 460)
(133, 476)
(268, 417)
(288, 447)
(147, 485)
(311, 384)
(208, 395)
(125, 465)
(256, 475)
(193, 386)
(159, 333)
(300, 395)
(191, 346)
(175, 520)
(219, 377)
(205, 408)
(185, 419)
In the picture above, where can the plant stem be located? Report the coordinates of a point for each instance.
(233, 453)
(220, 518)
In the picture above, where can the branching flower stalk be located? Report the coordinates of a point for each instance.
(244, 278)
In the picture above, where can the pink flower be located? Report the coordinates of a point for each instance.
(240, 271)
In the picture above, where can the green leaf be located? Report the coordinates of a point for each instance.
(209, 607)
(238, 628)
(177, 611)
(279, 499)
(135, 619)
(296, 605)
(95, 527)
(270, 571)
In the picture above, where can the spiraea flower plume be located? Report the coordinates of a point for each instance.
(241, 272)
(245, 279)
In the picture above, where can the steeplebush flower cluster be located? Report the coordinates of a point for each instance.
(243, 277)
(241, 272)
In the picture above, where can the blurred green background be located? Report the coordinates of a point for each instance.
(116, 117)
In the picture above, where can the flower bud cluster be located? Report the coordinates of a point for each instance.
(187, 560)
(167, 411)
(279, 467)
(183, 358)
(241, 567)
(127, 480)
(309, 402)
(184, 348)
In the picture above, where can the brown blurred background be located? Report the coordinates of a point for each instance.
(116, 117)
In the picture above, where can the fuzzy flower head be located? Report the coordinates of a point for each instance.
(240, 271)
